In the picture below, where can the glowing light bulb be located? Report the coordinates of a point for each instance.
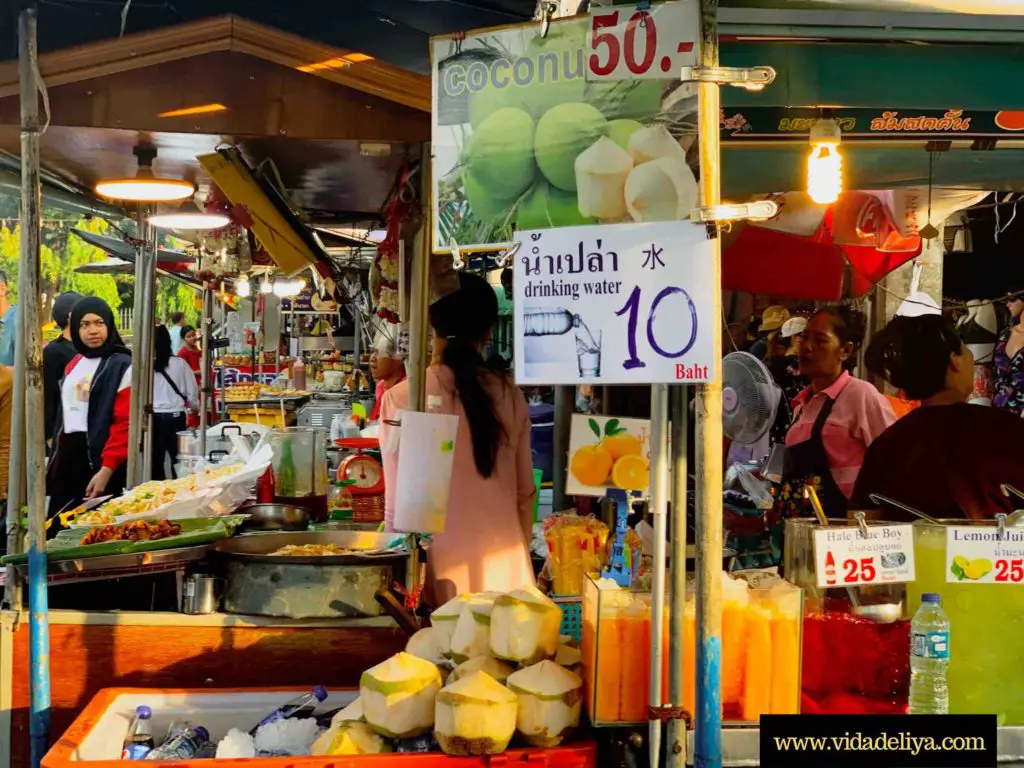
(243, 288)
(266, 287)
(825, 174)
(825, 163)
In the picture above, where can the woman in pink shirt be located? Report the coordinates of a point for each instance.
(485, 545)
(835, 419)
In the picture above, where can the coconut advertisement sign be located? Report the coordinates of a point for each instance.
(613, 304)
(524, 139)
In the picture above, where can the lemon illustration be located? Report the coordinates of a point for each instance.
(962, 561)
(977, 568)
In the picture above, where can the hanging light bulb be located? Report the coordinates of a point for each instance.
(242, 287)
(825, 163)
(281, 288)
(266, 287)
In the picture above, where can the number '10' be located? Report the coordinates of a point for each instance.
(632, 307)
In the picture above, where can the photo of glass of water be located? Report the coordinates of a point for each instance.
(588, 352)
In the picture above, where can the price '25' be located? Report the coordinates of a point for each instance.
(632, 310)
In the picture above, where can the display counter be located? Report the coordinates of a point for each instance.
(91, 651)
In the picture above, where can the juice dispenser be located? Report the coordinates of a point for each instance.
(986, 623)
(856, 640)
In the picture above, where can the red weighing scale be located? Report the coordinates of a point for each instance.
(367, 476)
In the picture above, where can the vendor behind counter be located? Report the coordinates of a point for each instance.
(947, 458)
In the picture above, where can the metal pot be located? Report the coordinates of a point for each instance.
(275, 517)
(216, 444)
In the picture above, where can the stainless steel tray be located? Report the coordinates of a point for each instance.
(256, 547)
(162, 558)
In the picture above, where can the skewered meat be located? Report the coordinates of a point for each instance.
(140, 530)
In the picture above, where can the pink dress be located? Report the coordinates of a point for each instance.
(484, 546)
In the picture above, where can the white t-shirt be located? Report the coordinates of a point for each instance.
(165, 400)
(74, 393)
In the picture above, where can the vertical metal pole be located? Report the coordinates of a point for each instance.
(205, 390)
(137, 410)
(708, 747)
(565, 406)
(31, 362)
(150, 370)
(659, 504)
(419, 293)
(680, 417)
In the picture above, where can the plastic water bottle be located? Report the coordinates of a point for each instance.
(549, 323)
(299, 707)
(139, 741)
(929, 658)
(182, 745)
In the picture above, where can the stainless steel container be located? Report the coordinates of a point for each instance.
(304, 587)
(199, 594)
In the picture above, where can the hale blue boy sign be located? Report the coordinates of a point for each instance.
(613, 304)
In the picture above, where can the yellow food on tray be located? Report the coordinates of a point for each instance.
(311, 550)
(242, 392)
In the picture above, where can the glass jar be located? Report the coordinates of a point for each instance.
(339, 500)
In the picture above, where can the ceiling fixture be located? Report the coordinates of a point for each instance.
(145, 187)
(189, 216)
(825, 163)
(243, 287)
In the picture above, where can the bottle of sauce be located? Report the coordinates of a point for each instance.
(299, 374)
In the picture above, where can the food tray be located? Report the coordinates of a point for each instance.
(194, 532)
(118, 566)
(96, 735)
(256, 548)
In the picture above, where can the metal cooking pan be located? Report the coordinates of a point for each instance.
(256, 548)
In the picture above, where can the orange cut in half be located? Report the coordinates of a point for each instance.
(631, 473)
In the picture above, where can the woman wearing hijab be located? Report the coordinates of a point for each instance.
(490, 510)
(92, 429)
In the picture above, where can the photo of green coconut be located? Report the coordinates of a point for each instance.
(474, 716)
(542, 148)
(472, 635)
(525, 625)
(550, 699)
(398, 696)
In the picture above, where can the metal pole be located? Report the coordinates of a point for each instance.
(205, 390)
(680, 415)
(659, 504)
(137, 414)
(150, 370)
(419, 293)
(31, 363)
(708, 747)
(565, 406)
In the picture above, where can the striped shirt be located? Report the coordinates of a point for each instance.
(859, 415)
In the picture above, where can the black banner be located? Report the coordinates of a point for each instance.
(878, 741)
(781, 123)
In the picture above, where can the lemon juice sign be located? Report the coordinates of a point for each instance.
(522, 140)
(981, 555)
(615, 304)
(845, 557)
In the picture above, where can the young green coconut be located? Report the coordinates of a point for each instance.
(352, 739)
(353, 713)
(499, 670)
(524, 626)
(549, 703)
(475, 716)
(472, 635)
(568, 657)
(445, 618)
(398, 696)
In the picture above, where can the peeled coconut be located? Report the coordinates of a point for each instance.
(601, 173)
(353, 713)
(567, 640)
(549, 703)
(350, 739)
(472, 635)
(524, 626)
(499, 670)
(444, 620)
(568, 657)
(475, 716)
(398, 696)
(661, 190)
(653, 142)
(426, 644)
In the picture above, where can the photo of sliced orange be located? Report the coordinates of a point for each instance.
(631, 473)
(1010, 120)
(591, 465)
(622, 444)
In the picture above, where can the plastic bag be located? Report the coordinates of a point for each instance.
(758, 490)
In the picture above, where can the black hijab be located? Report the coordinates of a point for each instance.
(94, 306)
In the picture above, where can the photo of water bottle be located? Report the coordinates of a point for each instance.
(542, 322)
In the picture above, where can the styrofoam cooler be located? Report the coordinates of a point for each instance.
(426, 455)
(98, 733)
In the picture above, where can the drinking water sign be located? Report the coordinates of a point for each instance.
(614, 304)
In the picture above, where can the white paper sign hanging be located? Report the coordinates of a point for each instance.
(614, 304)
(846, 558)
(426, 454)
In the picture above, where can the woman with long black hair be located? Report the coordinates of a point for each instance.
(485, 545)
(91, 454)
(174, 395)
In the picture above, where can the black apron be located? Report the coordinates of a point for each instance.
(806, 463)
